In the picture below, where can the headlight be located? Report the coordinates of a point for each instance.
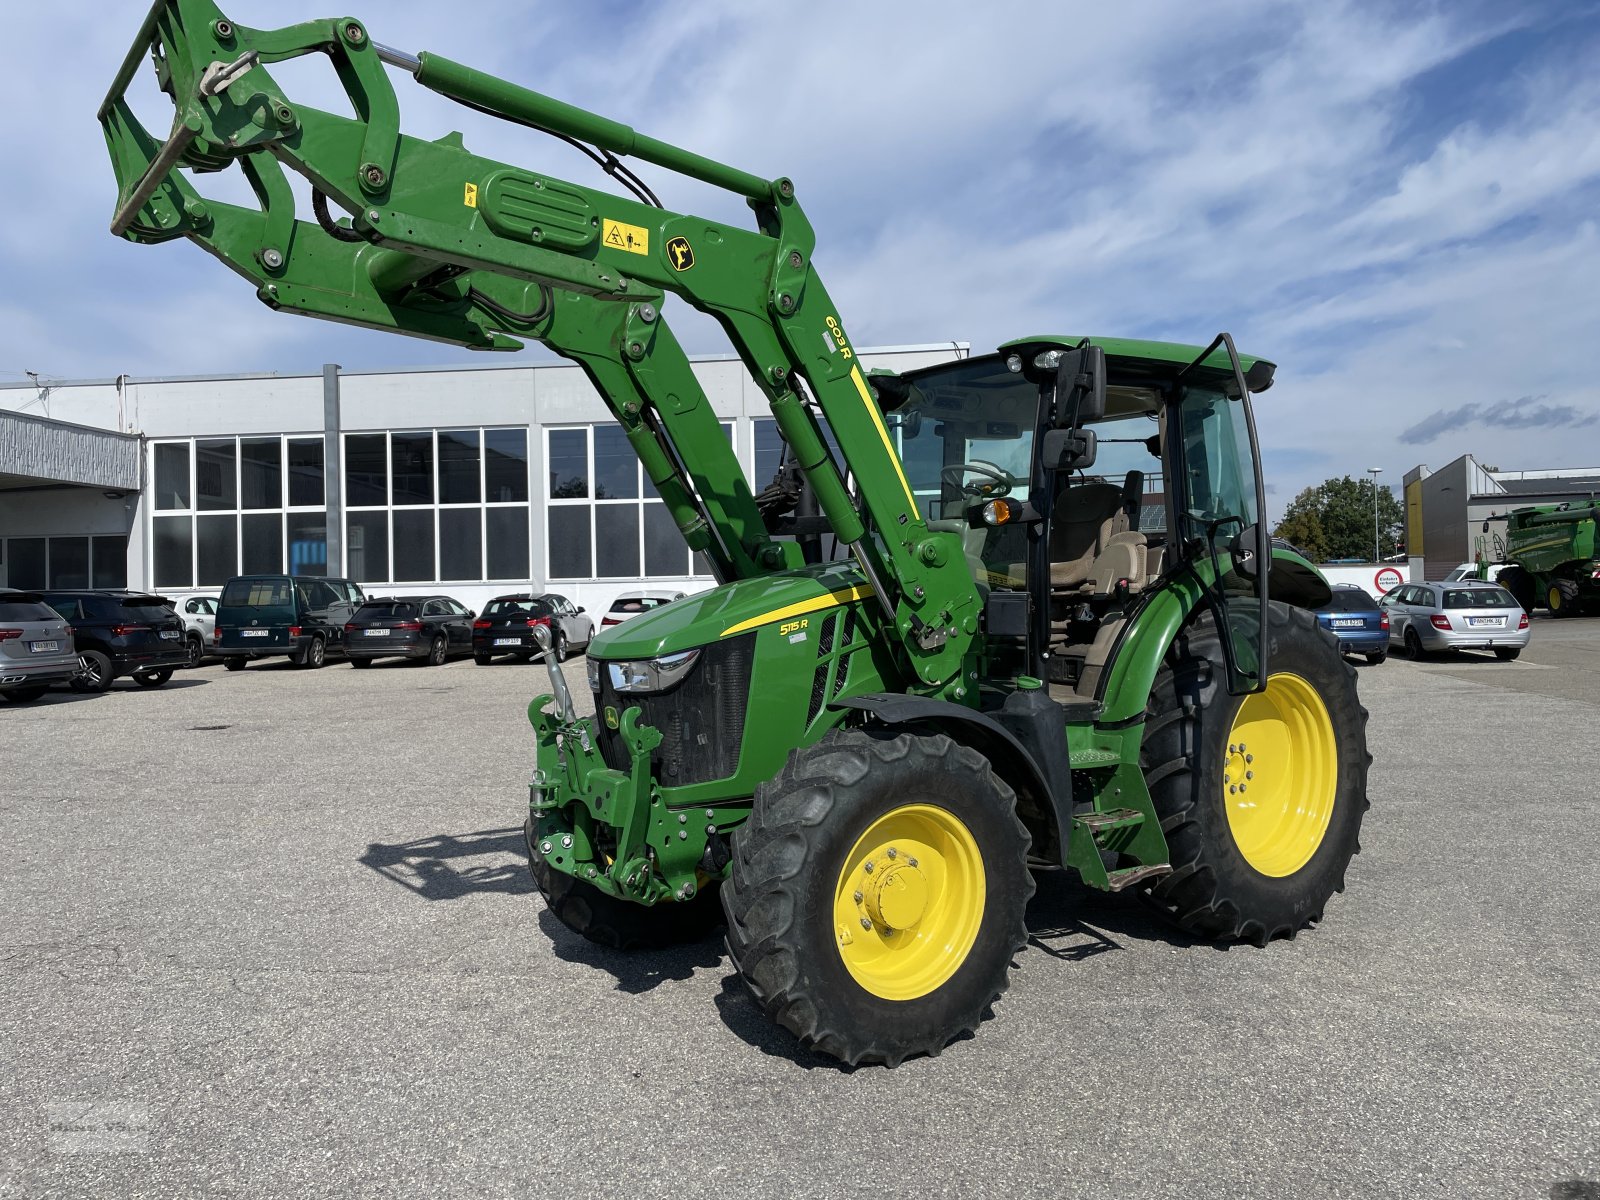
(594, 674)
(651, 674)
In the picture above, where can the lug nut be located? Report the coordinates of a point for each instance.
(868, 868)
(893, 853)
(683, 833)
(683, 818)
(1249, 758)
(1232, 788)
(1249, 774)
(910, 861)
(859, 897)
(545, 847)
(866, 923)
(566, 841)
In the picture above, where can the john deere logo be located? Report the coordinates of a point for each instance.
(681, 252)
(611, 717)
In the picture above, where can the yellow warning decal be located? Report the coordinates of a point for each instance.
(635, 239)
(883, 434)
(471, 200)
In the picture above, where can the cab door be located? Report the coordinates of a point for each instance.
(1220, 501)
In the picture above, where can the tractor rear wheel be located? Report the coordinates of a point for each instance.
(619, 924)
(1521, 585)
(877, 894)
(1261, 797)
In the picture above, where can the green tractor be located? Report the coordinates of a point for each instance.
(1555, 558)
(1021, 615)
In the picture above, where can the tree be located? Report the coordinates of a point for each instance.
(1334, 520)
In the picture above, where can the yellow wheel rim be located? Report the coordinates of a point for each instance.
(909, 902)
(1280, 775)
(1553, 600)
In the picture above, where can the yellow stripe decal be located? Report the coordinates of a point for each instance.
(831, 600)
(883, 432)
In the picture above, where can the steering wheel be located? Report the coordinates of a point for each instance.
(999, 483)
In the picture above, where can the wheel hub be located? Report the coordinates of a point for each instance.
(897, 897)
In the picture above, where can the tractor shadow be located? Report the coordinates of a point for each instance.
(1070, 921)
(452, 866)
(635, 971)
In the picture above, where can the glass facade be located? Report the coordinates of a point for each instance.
(603, 517)
(437, 505)
(237, 506)
(88, 561)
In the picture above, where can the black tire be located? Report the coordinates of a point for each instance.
(235, 662)
(360, 663)
(25, 695)
(1561, 598)
(1414, 650)
(94, 672)
(1521, 585)
(559, 647)
(197, 649)
(438, 651)
(314, 656)
(481, 658)
(793, 854)
(1374, 659)
(619, 924)
(1213, 890)
(1508, 654)
(153, 678)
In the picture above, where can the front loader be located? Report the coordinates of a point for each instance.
(1052, 633)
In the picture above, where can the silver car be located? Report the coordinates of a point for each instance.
(36, 647)
(572, 622)
(199, 616)
(1463, 615)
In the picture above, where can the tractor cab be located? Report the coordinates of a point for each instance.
(1079, 474)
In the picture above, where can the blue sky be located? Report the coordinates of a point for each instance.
(1397, 203)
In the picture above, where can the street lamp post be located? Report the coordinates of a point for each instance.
(1375, 472)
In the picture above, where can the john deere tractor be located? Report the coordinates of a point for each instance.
(1554, 557)
(1021, 615)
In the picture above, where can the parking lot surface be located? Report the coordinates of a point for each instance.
(270, 933)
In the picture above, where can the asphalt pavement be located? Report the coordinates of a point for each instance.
(270, 934)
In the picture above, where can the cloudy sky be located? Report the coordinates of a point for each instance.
(1395, 202)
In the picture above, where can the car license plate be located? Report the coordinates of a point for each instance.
(169, 635)
(1487, 622)
(43, 647)
(254, 632)
(1348, 623)
(508, 641)
(377, 633)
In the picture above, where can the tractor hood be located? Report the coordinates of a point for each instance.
(732, 609)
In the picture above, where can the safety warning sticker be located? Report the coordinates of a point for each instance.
(635, 239)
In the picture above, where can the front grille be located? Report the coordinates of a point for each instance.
(701, 719)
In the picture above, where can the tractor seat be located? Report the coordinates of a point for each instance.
(1090, 523)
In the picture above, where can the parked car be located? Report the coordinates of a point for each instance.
(199, 617)
(631, 604)
(1464, 615)
(426, 628)
(1470, 571)
(507, 623)
(36, 647)
(574, 627)
(1357, 620)
(120, 633)
(298, 617)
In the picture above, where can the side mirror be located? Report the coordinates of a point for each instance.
(581, 608)
(470, 614)
(1081, 386)
(1068, 449)
(1243, 549)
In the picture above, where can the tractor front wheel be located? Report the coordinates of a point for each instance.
(619, 924)
(877, 894)
(1561, 598)
(1261, 797)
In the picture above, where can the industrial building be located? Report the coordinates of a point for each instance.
(1456, 514)
(473, 481)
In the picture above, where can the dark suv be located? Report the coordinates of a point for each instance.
(121, 633)
(298, 616)
(426, 628)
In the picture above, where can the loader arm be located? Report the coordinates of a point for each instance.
(444, 244)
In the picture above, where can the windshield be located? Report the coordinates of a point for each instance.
(1352, 599)
(506, 608)
(257, 593)
(638, 604)
(384, 610)
(1478, 597)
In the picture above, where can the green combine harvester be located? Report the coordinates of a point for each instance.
(966, 645)
(1554, 557)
